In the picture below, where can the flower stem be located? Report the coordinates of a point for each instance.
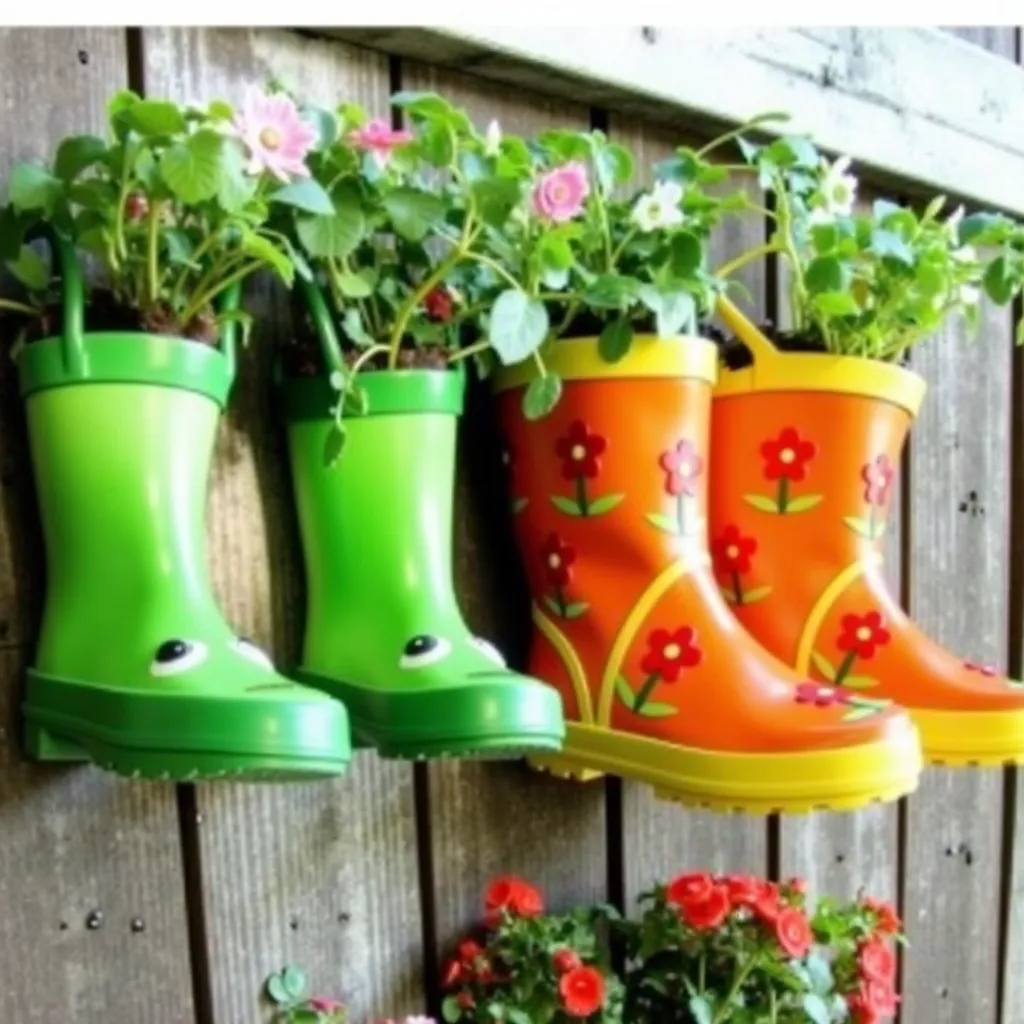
(783, 501)
(681, 512)
(197, 305)
(645, 691)
(153, 263)
(19, 307)
(560, 599)
(469, 350)
(773, 1007)
(844, 668)
(581, 496)
(745, 127)
(479, 257)
(744, 258)
(737, 586)
(724, 1011)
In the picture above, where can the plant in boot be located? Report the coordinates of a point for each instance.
(287, 992)
(585, 251)
(736, 949)
(372, 393)
(136, 667)
(531, 967)
(174, 207)
(873, 283)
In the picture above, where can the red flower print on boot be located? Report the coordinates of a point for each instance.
(668, 653)
(786, 459)
(580, 452)
(859, 638)
(861, 635)
(820, 696)
(683, 466)
(878, 475)
(558, 559)
(731, 554)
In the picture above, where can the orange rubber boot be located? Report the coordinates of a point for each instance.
(659, 681)
(805, 448)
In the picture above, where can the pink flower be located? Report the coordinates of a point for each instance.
(558, 195)
(378, 139)
(322, 1005)
(275, 135)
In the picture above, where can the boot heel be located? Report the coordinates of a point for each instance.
(44, 745)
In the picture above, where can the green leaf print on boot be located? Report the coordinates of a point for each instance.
(135, 667)
(384, 632)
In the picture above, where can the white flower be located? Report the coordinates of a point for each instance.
(415, 1019)
(952, 224)
(492, 139)
(965, 254)
(969, 295)
(659, 208)
(839, 188)
(819, 215)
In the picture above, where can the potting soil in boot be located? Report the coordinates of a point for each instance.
(805, 454)
(384, 631)
(660, 682)
(136, 668)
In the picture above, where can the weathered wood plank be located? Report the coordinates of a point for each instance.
(76, 841)
(291, 874)
(959, 511)
(870, 92)
(662, 839)
(493, 818)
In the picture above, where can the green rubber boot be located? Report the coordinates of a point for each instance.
(136, 669)
(384, 632)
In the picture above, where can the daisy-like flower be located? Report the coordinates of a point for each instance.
(275, 135)
(838, 188)
(378, 138)
(659, 208)
(492, 139)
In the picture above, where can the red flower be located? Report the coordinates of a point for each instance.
(793, 931)
(558, 558)
(822, 696)
(768, 908)
(787, 456)
(136, 206)
(889, 922)
(797, 885)
(682, 468)
(465, 1001)
(566, 960)
(689, 889)
(872, 1002)
(514, 896)
(452, 974)
(469, 950)
(862, 634)
(985, 670)
(731, 551)
(743, 890)
(877, 960)
(709, 912)
(671, 652)
(582, 991)
(579, 451)
(438, 304)
(878, 476)
(323, 1005)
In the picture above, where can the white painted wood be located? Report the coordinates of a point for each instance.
(916, 103)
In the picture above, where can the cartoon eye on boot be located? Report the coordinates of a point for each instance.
(424, 649)
(176, 656)
(487, 648)
(245, 647)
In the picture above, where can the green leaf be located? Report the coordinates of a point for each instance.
(621, 161)
(819, 972)
(686, 254)
(625, 693)
(553, 605)
(575, 610)
(977, 226)
(263, 249)
(117, 107)
(352, 325)
(611, 291)
(304, 1015)
(336, 236)
(615, 339)
(432, 106)
(305, 194)
(192, 169)
(803, 503)
(542, 395)
(220, 110)
(235, 188)
(859, 682)
(756, 594)
(816, 1008)
(294, 982)
(824, 274)
(998, 281)
(825, 237)
(836, 304)
(864, 527)
(30, 269)
(155, 117)
(604, 504)
(824, 666)
(32, 187)
(353, 285)
(276, 991)
(326, 124)
(495, 199)
(761, 502)
(451, 1012)
(413, 212)
(663, 522)
(518, 325)
(655, 710)
(862, 711)
(76, 153)
(700, 1010)
(519, 504)
(554, 251)
(677, 315)
(566, 505)
(890, 245)
(334, 444)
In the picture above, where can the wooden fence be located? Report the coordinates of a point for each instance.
(130, 903)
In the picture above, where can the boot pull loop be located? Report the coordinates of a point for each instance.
(736, 320)
(323, 324)
(62, 252)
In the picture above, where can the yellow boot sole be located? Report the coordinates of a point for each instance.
(975, 738)
(839, 779)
